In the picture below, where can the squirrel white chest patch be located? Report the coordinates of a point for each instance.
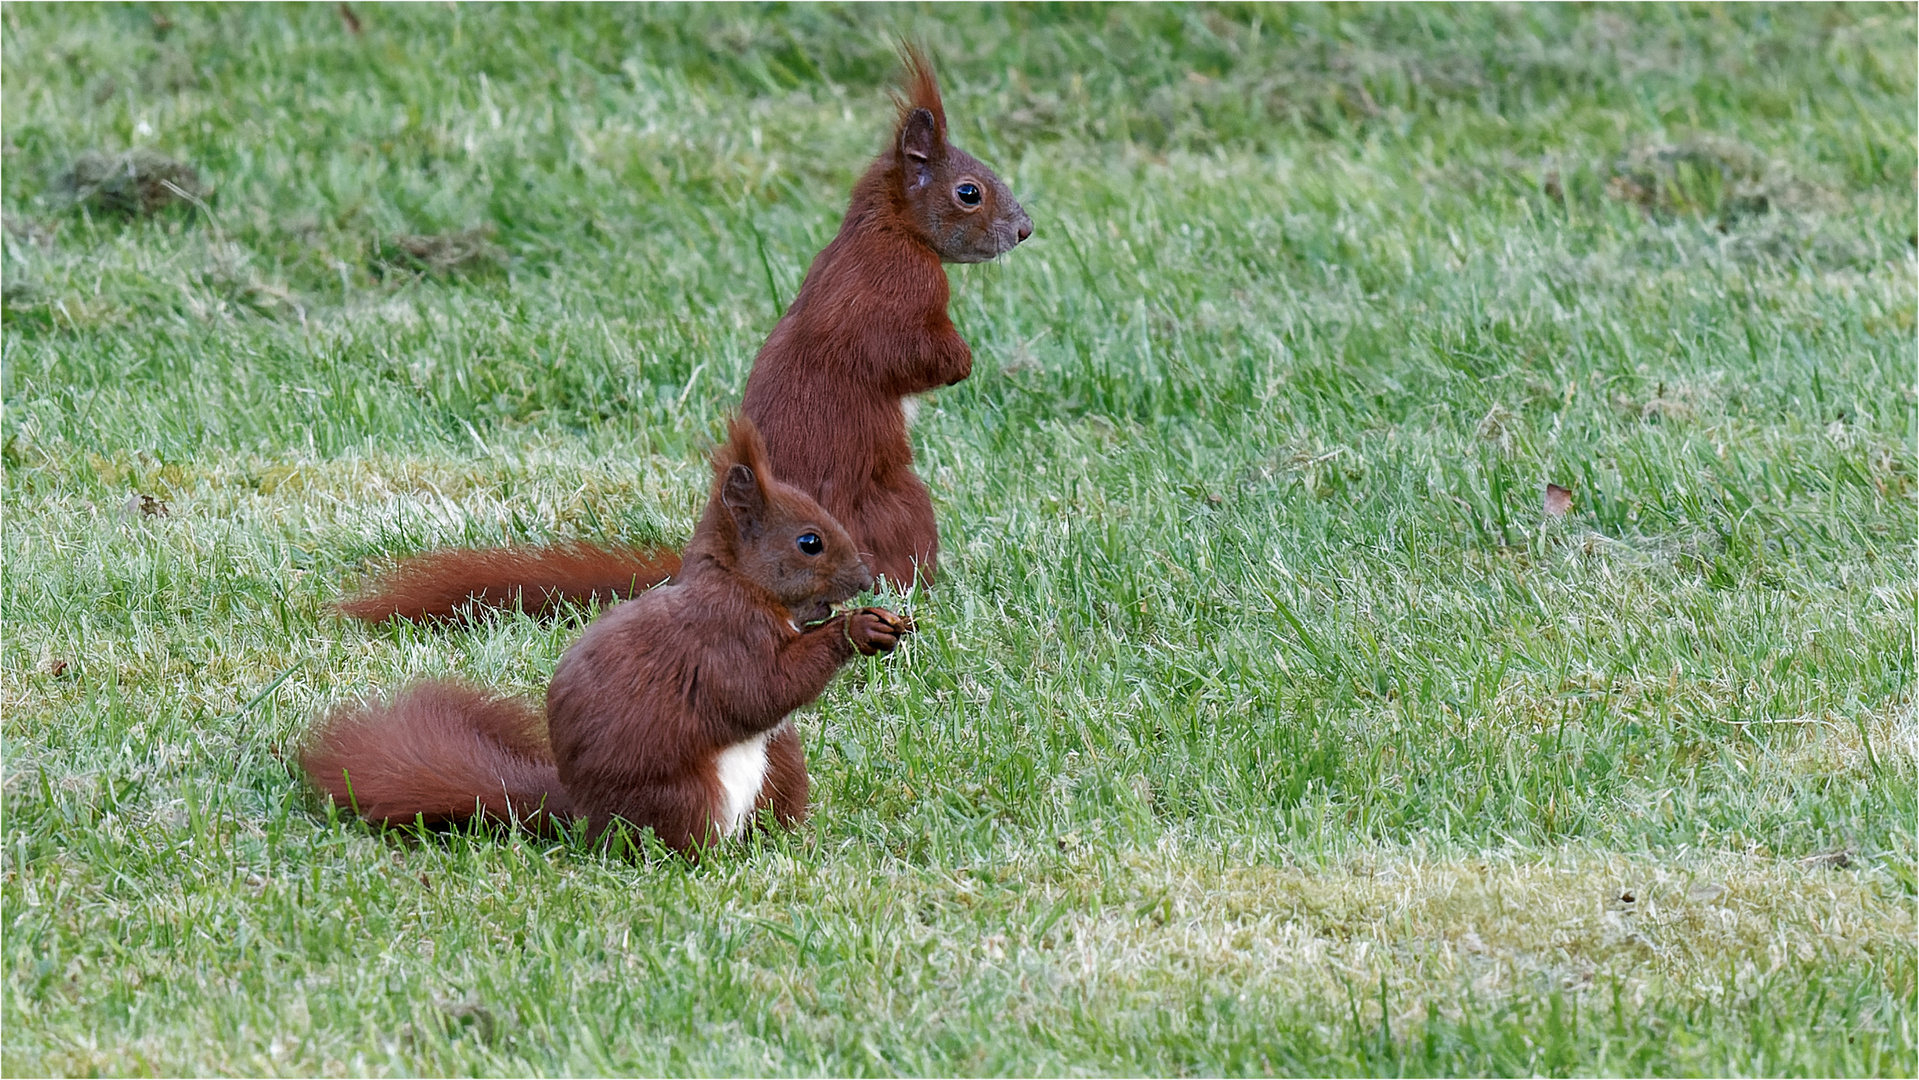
(742, 772)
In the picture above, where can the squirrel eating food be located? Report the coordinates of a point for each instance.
(672, 710)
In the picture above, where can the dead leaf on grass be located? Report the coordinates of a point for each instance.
(1559, 500)
(142, 505)
(468, 1013)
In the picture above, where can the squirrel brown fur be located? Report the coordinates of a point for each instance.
(670, 712)
(867, 330)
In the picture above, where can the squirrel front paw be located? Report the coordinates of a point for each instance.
(876, 630)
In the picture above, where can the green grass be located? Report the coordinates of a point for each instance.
(1261, 721)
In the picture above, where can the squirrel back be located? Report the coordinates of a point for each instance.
(867, 329)
(670, 712)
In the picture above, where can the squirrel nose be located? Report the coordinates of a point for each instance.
(1025, 229)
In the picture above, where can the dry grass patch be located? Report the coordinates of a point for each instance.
(1711, 926)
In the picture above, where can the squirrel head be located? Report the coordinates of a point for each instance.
(962, 210)
(775, 535)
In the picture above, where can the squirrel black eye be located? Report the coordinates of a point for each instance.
(811, 543)
(968, 193)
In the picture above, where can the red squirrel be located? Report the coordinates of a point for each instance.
(670, 712)
(827, 391)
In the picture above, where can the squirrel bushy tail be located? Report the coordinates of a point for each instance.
(448, 584)
(438, 751)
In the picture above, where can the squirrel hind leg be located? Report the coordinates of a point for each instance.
(786, 786)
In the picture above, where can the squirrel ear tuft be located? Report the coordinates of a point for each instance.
(922, 89)
(741, 474)
(743, 498)
(744, 444)
(922, 135)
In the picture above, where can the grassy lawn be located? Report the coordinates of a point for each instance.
(1262, 721)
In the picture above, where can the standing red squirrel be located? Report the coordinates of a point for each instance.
(827, 391)
(670, 712)
(869, 328)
